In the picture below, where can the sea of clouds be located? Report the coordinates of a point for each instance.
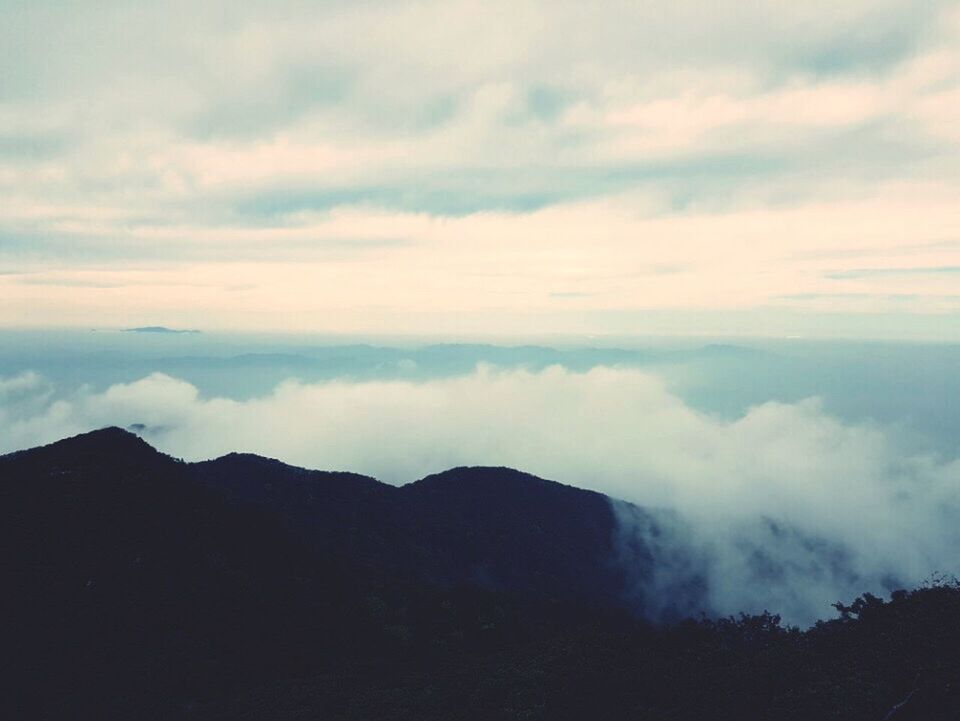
(785, 508)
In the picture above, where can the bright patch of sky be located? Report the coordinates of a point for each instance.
(511, 168)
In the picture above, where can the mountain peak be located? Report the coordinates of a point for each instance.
(107, 433)
(475, 474)
(107, 440)
(491, 478)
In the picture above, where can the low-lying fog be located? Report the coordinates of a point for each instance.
(800, 474)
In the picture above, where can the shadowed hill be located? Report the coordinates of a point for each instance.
(491, 527)
(139, 586)
(154, 576)
(126, 577)
(511, 530)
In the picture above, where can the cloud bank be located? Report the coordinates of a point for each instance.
(784, 508)
(343, 166)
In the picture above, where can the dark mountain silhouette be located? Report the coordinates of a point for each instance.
(139, 586)
(118, 562)
(495, 528)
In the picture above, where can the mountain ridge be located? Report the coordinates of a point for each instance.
(103, 438)
(141, 586)
(461, 525)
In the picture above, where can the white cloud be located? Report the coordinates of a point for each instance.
(884, 515)
(368, 270)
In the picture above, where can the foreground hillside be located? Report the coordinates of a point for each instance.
(138, 586)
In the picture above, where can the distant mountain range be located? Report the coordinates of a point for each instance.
(140, 586)
(157, 329)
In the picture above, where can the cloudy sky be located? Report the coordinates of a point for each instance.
(461, 167)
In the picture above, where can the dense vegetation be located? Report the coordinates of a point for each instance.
(141, 587)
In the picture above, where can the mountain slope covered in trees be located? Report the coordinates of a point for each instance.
(139, 586)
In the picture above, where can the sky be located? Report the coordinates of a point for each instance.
(472, 168)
